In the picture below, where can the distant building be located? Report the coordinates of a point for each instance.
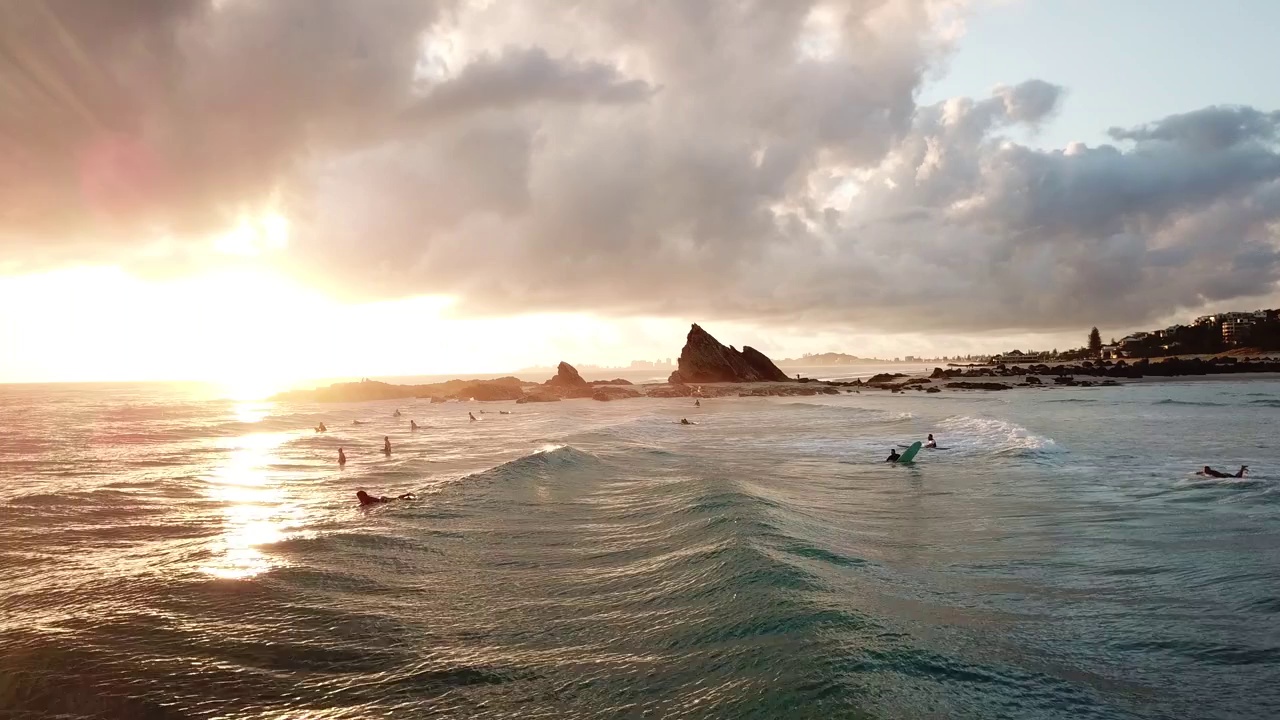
(1236, 330)
(910, 358)
(1017, 356)
(1110, 352)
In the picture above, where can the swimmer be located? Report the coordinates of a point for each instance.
(321, 428)
(367, 499)
(697, 403)
(396, 413)
(473, 417)
(342, 458)
(386, 444)
(413, 426)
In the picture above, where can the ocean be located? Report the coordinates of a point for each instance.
(168, 554)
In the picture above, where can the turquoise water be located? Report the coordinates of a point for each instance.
(169, 555)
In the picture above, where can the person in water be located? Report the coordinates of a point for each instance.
(930, 443)
(697, 403)
(413, 426)
(342, 457)
(893, 456)
(1210, 472)
(367, 499)
(386, 444)
(397, 413)
(321, 428)
(473, 417)
(685, 421)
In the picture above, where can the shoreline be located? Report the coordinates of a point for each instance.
(514, 390)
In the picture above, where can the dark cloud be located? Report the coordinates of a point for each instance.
(1212, 128)
(748, 160)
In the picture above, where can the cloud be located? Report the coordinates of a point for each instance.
(730, 160)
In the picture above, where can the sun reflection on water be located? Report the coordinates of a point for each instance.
(252, 412)
(256, 507)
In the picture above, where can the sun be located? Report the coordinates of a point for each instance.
(248, 387)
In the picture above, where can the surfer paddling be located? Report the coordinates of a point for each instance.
(893, 456)
(1210, 472)
(366, 499)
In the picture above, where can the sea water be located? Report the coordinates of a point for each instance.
(168, 554)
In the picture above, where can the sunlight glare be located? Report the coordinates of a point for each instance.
(255, 512)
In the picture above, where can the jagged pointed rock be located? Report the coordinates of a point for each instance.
(705, 360)
(566, 376)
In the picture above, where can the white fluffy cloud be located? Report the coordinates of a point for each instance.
(737, 160)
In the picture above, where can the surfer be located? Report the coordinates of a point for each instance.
(473, 417)
(930, 443)
(413, 426)
(386, 444)
(685, 421)
(397, 413)
(893, 456)
(1210, 472)
(697, 403)
(367, 499)
(321, 428)
(342, 458)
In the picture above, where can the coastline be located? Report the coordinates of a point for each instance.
(519, 391)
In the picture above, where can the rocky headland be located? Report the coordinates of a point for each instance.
(709, 369)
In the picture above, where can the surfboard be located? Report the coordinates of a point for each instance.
(910, 454)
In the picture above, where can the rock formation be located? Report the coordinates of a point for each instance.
(567, 377)
(705, 360)
(538, 396)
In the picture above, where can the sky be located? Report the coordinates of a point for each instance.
(257, 193)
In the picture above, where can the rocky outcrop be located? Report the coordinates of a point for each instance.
(977, 386)
(705, 360)
(669, 391)
(487, 392)
(503, 388)
(538, 396)
(605, 393)
(884, 378)
(566, 377)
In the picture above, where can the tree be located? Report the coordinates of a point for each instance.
(1095, 343)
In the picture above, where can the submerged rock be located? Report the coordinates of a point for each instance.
(884, 378)
(609, 392)
(535, 397)
(977, 386)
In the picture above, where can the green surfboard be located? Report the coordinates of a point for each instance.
(910, 454)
